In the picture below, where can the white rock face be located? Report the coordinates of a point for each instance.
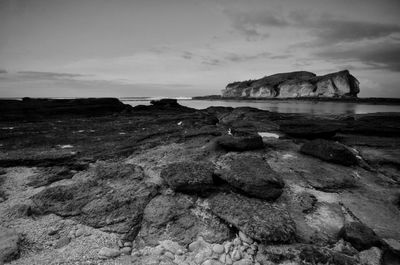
(296, 84)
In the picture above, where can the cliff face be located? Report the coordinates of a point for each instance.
(296, 84)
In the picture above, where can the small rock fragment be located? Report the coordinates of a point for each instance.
(109, 252)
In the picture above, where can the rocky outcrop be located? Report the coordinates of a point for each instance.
(296, 84)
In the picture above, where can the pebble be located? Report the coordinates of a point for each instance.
(194, 246)
(245, 238)
(243, 262)
(212, 262)
(128, 244)
(217, 248)
(126, 250)
(169, 255)
(171, 246)
(71, 234)
(62, 242)
(237, 241)
(109, 252)
(227, 247)
(236, 255)
(80, 232)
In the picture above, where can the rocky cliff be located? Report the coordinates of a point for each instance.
(296, 84)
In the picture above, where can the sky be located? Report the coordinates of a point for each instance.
(129, 48)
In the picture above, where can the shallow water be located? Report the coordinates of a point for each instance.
(290, 106)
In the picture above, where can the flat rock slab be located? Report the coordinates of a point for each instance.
(330, 151)
(9, 248)
(263, 221)
(310, 130)
(250, 174)
(112, 198)
(189, 176)
(48, 176)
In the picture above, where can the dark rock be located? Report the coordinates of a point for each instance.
(240, 142)
(36, 158)
(330, 151)
(165, 102)
(360, 236)
(172, 217)
(114, 203)
(189, 176)
(9, 244)
(250, 174)
(263, 221)
(309, 130)
(33, 109)
(375, 124)
(48, 176)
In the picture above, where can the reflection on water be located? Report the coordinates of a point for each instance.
(287, 106)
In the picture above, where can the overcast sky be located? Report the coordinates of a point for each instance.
(80, 48)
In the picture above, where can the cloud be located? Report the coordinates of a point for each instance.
(330, 30)
(378, 56)
(48, 75)
(233, 57)
(253, 24)
(2, 71)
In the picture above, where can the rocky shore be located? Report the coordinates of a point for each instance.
(99, 182)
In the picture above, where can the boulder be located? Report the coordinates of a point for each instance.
(260, 220)
(189, 176)
(9, 248)
(240, 142)
(113, 201)
(360, 236)
(330, 151)
(250, 174)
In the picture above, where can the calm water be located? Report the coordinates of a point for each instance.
(286, 106)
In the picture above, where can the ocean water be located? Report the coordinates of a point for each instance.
(290, 106)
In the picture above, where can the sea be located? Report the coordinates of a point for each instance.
(283, 106)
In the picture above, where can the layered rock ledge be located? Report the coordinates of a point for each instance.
(295, 85)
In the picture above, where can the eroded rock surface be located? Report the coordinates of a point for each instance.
(268, 222)
(250, 174)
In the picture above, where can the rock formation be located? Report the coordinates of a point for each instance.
(296, 84)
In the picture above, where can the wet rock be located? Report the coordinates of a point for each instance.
(9, 244)
(372, 256)
(189, 176)
(48, 176)
(112, 204)
(243, 142)
(309, 130)
(360, 236)
(250, 174)
(330, 151)
(106, 252)
(263, 221)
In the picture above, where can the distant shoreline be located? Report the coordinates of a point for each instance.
(377, 101)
